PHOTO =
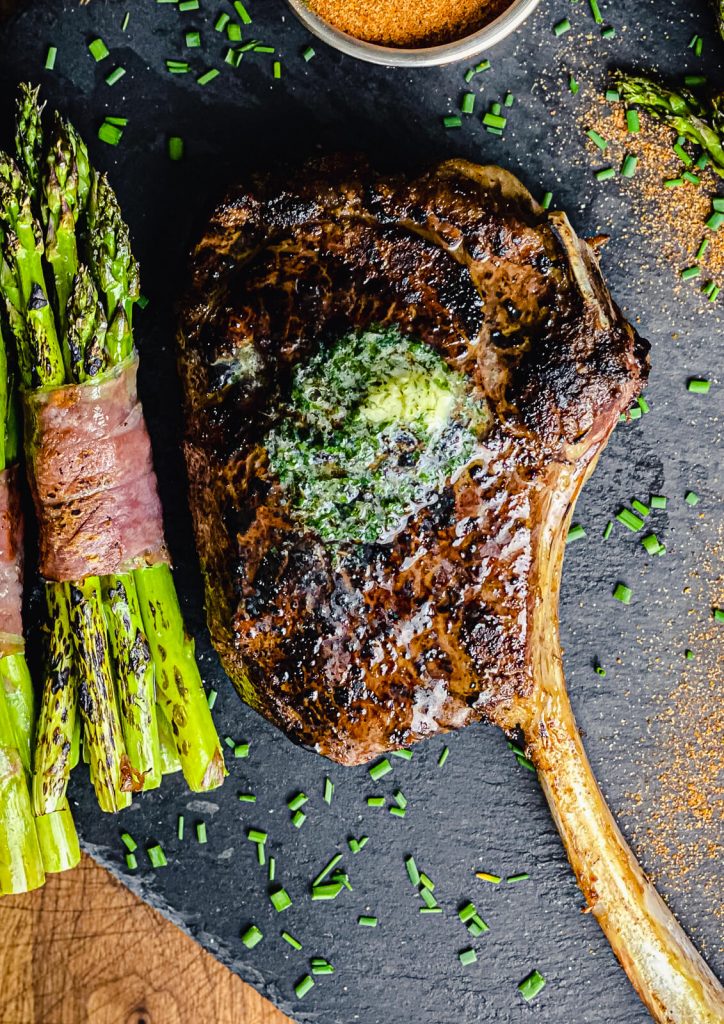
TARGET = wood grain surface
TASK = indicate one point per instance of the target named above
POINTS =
(84, 950)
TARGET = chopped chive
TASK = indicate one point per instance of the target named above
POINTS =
(110, 133)
(694, 80)
(487, 877)
(325, 871)
(643, 404)
(280, 899)
(255, 836)
(469, 75)
(303, 986)
(247, 798)
(477, 926)
(495, 108)
(379, 770)
(467, 912)
(294, 943)
(629, 520)
(188, 5)
(252, 937)
(576, 532)
(682, 154)
(532, 985)
(180, 826)
(272, 868)
(484, 65)
(605, 174)
(525, 763)
(353, 845)
(308, 53)
(522, 877)
(131, 862)
(403, 754)
(691, 498)
(297, 801)
(430, 910)
(277, 69)
(176, 152)
(546, 200)
(688, 654)
(692, 178)
(509, 99)
(698, 386)
(633, 122)
(561, 27)
(328, 791)
(600, 671)
(211, 699)
(229, 742)
(208, 76)
(50, 58)
(692, 41)
(607, 530)
(623, 593)
(412, 873)
(718, 614)
(222, 21)
(673, 182)
(322, 967)
(264, 49)
(260, 854)
(452, 121)
(129, 842)
(126, 19)
(628, 167)
(363, 840)
(98, 50)
(427, 898)
(328, 891)
(201, 832)
(143, 300)
(375, 801)
(468, 956)
(643, 510)
(657, 501)
(698, 46)
(714, 293)
(573, 85)
(400, 799)
(651, 544)
(467, 104)
(298, 819)
(634, 413)
(364, 921)
(715, 221)
(493, 120)
(608, 32)
(242, 12)
(398, 812)
(718, 205)
(595, 11)
(613, 95)
(157, 856)
(230, 57)
(427, 882)
(444, 754)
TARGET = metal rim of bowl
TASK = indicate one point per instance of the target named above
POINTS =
(425, 56)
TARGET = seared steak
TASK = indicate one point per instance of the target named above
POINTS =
(356, 648)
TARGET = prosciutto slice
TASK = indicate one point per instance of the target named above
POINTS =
(11, 564)
(92, 478)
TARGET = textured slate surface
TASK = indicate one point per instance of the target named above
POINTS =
(481, 811)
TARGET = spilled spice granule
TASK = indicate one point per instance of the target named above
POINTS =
(408, 23)
(673, 219)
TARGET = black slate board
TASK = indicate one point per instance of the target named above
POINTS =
(481, 811)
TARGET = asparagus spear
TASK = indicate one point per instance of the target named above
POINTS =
(680, 110)
(21, 862)
(29, 135)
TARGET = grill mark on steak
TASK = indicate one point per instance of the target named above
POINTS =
(431, 631)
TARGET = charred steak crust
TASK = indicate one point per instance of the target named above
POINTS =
(431, 631)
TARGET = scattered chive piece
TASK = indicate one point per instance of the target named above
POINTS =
(633, 122)
(427, 882)
(467, 104)
(689, 655)
(613, 95)
(131, 862)
(50, 58)
(294, 943)
(363, 840)
(495, 108)
(143, 300)
(157, 856)
(532, 985)
(229, 742)
(525, 763)
(573, 85)
(129, 842)
(484, 65)
(176, 152)
(353, 845)
(605, 174)
(493, 120)
(325, 871)
(698, 387)
(561, 27)
(375, 801)
(222, 21)
(469, 956)
(714, 293)
(522, 877)
(691, 498)
(110, 133)
(297, 801)
(694, 80)
(651, 543)
(379, 770)
(98, 50)
(303, 986)
(208, 76)
(403, 754)
(280, 900)
(189, 5)
(643, 510)
(629, 520)
(628, 167)
(477, 927)
(272, 868)
(575, 533)
(298, 819)
(252, 937)
(718, 614)
(427, 898)
(682, 154)
(366, 922)
(201, 832)
(328, 791)
(430, 910)
(247, 798)
(718, 205)
(546, 200)
(469, 75)
(657, 501)
(698, 46)
(692, 178)
(277, 68)
(715, 221)
(126, 19)
(600, 671)
(400, 799)
(180, 826)
(445, 753)
(509, 99)
(487, 877)
(412, 873)
(230, 57)
(329, 891)
(242, 12)
(398, 812)
(673, 182)
(609, 32)
(322, 967)
(634, 413)
(467, 912)
(643, 404)
(452, 121)
(211, 698)
(623, 593)
(308, 53)
(255, 836)
(595, 11)
(607, 530)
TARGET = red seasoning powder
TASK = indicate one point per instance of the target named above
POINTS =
(408, 23)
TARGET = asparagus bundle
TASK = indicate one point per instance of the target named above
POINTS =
(118, 650)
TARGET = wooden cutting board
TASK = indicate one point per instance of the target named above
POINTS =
(84, 950)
